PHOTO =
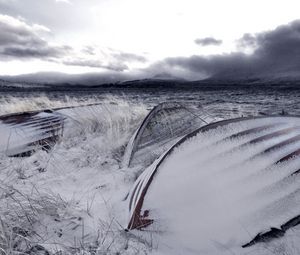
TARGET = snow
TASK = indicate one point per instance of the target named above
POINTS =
(17, 137)
(207, 198)
(73, 198)
(72, 194)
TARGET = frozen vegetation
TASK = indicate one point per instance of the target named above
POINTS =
(72, 200)
(66, 199)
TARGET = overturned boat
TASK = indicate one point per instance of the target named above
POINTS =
(232, 183)
(162, 127)
(26, 132)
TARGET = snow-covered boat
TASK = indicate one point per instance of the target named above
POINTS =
(162, 127)
(229, 183)
(25, 132)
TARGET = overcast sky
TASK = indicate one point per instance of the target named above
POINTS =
(191, 39)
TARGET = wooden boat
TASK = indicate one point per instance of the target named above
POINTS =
(235, 179)
(163, 126)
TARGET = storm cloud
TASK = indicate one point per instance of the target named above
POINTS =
(275, 53)
(22, 41)
(19, 40)
(208, 41)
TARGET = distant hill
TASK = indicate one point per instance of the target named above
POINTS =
(6, 84)
(63, 82)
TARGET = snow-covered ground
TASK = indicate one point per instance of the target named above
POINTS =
(72, 200)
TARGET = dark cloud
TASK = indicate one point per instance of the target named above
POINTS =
(19, 40)
(208, 41)
(248, 40)
(20, 52)
(276, 53)
(15, 32)
(281, 44)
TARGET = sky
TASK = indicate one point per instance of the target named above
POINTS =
(124, 39)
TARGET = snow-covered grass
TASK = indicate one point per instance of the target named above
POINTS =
(31, 102)
(68, 200)
(287, 245)
(12, 104)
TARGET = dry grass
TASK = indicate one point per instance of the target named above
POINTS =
(34, 220)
